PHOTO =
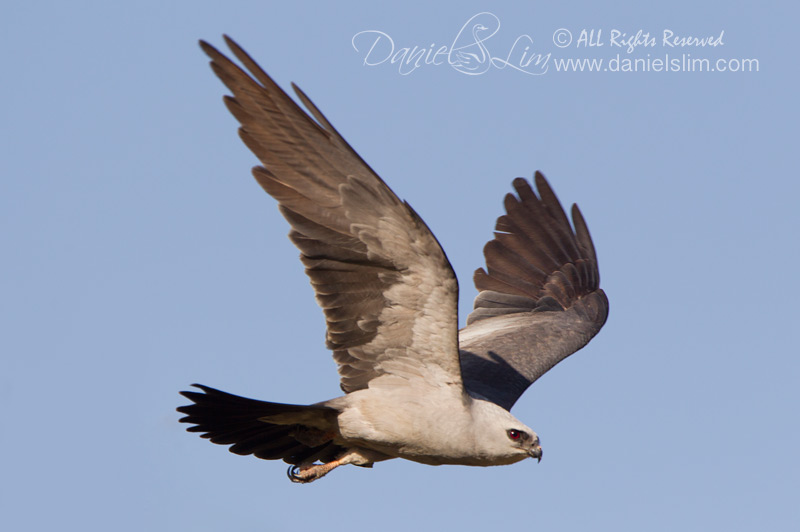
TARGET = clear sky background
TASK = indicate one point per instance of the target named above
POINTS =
(139, 256)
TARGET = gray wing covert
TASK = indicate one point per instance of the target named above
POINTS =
(539, 298)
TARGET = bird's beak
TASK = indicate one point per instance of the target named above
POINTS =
(536, 452)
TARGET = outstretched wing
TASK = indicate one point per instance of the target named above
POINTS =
(385, 285)
(539, 298)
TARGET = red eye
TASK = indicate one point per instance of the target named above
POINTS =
(514, 434)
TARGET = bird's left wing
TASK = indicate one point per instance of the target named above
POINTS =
(386, 287)
(540, 298)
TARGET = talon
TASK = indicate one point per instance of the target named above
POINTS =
(310, 473)
(293, 474)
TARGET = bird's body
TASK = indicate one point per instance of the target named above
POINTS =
(415, 386)
(441, 425)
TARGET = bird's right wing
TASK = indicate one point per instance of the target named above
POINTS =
(385, 285)
(539, 301)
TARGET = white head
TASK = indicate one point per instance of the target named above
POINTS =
(501, 438)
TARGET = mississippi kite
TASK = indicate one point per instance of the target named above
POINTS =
(415, 386)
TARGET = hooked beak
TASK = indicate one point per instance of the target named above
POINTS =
(536, 452)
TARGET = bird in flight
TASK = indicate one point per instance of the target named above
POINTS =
(415, 386)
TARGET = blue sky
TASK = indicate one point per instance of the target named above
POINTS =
(140, 256)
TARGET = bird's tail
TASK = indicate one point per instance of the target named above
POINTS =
(295, 433)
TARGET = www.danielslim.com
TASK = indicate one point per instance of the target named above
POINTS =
(655, 63)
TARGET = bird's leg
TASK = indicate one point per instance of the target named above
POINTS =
(305, 473)
(309, 473)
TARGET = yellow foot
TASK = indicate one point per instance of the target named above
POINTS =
(310, 473)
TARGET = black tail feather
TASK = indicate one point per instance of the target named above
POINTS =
(228, 419)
